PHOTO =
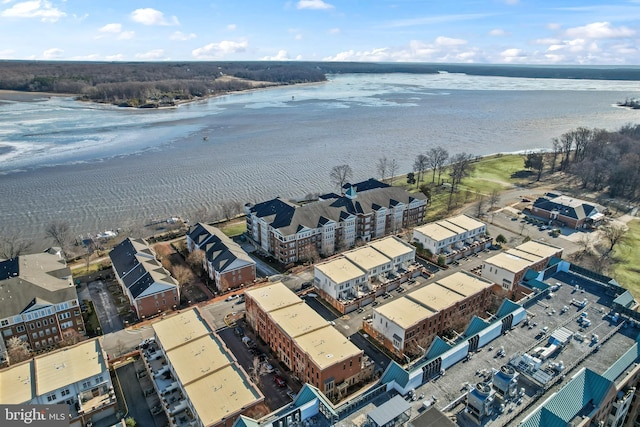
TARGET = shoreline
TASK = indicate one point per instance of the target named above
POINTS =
(7, 96)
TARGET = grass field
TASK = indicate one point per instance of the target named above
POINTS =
(234, 228)
(627, 268)
(497, 172)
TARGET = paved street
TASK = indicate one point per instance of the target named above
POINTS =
(124, 341)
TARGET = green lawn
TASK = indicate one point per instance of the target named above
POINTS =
(627, 267)
(233, 229)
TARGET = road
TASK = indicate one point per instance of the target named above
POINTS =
(133, 395)
(105, 307)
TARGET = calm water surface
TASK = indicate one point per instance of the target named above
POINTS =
(101, 167)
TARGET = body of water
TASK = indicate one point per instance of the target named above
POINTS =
(101, 167)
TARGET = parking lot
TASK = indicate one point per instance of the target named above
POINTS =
(136, 401)
(275, 396)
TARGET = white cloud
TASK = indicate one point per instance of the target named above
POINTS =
(126, 35)
(111, 28)
(89, 57)
(447, 41)
(231, 27)
(149, 16)
(513, 55)
(314, 4)
(334, 31)
(7, 53)
(42, 9)
(599, 30)
(150, 55)
(116, 57)
(546, 41)
(180, 36)
(498, 32)
(282, 55)
(219, 50)
(554, 26)
(53, 53)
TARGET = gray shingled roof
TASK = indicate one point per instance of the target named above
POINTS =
(220, 250)
(290, 219)
(42, 279)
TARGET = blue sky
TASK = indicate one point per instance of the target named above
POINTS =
(461, 31)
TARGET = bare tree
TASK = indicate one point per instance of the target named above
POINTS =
(195, 259)
(555, 151)
(420, 165)
(535, 161)
(614, 233)
(382, 166)
(393, 169)
(566, 143)
(199, 215)
(230, 208)
(60, 233)
(11, 246)
(17, 350)
(340, 175)
(437, 160)
(461, 167)
(494, 198)
(70, 337)
(257, 369)
(182, 274)
(480, 206)
(585, 247)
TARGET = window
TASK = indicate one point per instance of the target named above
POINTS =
(86, 384)
(4, 322)
(39, 324)
(7, 332)
(65, 392)
(52, 397)
(32, 326)
(63, 316)
(20, 328)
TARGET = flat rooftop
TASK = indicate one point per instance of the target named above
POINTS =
(327, 346)
(435, 297)
(509, 262)
(68, 365)
(179, 329)
(340, 270)
(221, 394)
(298, 319)
(392, 247)
(539, 248)
(544, 312)
(437, 232)
(465, 283)
(367, 258)
(197, 358)
(465, 222)
(272, 297)
(214, 383)
(16, 384)
(404, 312)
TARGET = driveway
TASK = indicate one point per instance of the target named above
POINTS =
(106, 308)
(123, 341)
(133, 395)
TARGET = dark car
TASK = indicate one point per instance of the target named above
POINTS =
(238, 331)
(279, 381)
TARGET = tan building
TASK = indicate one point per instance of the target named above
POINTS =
(311, 348)
(508, 268)
(38, 301)
(148, 285)
(454, 237)
(355, 278)
(77, 376)
(409, 324)
(224, 260)
(197, 378)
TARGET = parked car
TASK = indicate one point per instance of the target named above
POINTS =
(279, 381)
(268, 368)
(231, 297)
(238, 331)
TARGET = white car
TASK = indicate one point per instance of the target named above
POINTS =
(268, 368)
(231, 297)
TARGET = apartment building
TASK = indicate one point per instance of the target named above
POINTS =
(409, 324)
(198, 380)
(224, 260)
(362, 272)
(367, 210)
(453, 237)
(38, 301)
(148, 285)
(508, 268)
(306, 343)
(77, 376)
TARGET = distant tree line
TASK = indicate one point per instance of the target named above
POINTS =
(136, 84)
